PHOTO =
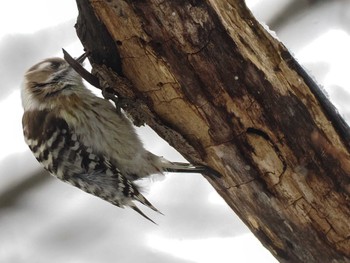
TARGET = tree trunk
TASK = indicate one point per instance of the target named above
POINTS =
(211, 81)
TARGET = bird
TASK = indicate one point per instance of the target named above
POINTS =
(83, 140)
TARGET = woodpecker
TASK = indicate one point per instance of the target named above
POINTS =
(81, 139)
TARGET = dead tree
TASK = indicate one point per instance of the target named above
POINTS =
(209, 79)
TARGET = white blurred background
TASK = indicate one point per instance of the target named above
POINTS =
(45, 220)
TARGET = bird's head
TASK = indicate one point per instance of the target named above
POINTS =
(48, 80)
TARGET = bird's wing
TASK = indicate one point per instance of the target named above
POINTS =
(67, 157)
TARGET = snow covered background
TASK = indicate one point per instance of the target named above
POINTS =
(44, 220)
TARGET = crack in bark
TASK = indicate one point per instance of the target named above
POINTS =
(239, 184)
(278, 152)
(244, 183)
(293, 203)
(203, 47)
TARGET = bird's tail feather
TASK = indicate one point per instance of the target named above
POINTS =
(138, 210)
(145, 202)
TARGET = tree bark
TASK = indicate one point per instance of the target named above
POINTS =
(209, 79)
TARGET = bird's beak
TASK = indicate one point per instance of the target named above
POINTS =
(81, 58)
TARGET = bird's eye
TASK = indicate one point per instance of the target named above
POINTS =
(55, 64)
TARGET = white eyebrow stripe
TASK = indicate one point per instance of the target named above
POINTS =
(43, 65)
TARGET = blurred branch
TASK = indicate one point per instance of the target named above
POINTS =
(290, 11)
(10, 196)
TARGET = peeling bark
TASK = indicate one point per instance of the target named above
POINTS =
(213, 83)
